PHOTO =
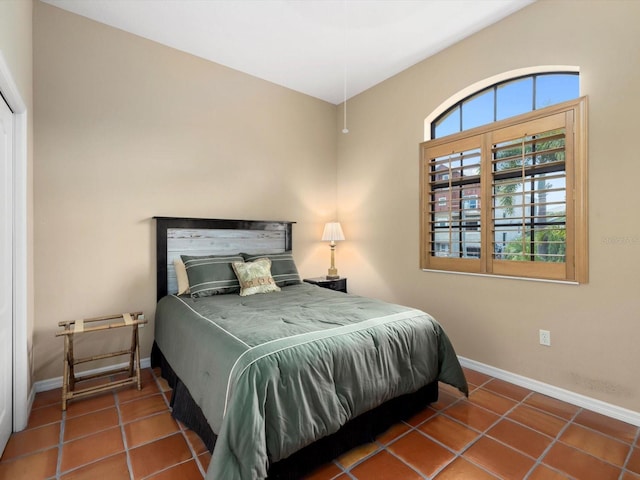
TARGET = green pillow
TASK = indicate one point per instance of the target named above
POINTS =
(211, 274)
(283, 267)
(255, 277)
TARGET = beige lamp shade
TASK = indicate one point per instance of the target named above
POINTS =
(332, 232)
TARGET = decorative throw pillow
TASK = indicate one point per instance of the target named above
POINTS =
(255, 277)
(211, 274)
(181, 276)
(283, 267)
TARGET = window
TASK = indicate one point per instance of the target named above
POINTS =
(514, 190)
(470, 203)
(507, 99)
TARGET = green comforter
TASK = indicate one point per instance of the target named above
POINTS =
(274, 372)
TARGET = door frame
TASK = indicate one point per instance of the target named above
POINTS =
(21, 372)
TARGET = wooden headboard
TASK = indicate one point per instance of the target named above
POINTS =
(206, 236)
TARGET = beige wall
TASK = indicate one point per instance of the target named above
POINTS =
(128, 129)
(16, 48)
(16, 44)
(595, 328)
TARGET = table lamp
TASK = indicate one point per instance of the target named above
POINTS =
(332, 233)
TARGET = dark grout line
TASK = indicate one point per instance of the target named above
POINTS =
(630, 454)
(554, 440)
(60, 444)
(194, 454)
(449, 403)
(124, 437)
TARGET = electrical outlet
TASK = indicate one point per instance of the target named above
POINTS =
(545, 338)
(141, 317)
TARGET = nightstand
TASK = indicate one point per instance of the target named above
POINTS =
(339, 284)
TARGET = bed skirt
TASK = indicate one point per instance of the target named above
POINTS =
(357, 431)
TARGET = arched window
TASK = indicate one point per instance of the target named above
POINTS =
(503, 181)
(507, 99)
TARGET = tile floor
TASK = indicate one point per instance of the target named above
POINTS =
(501, 432)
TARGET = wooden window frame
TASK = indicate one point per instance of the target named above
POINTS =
(575, 267)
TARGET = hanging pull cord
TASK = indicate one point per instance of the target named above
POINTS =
(345, 130)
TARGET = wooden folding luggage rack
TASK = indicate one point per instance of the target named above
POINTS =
(74, 327)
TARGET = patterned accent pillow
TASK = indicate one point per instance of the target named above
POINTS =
(211, 274)
(283, 267)
(255, 277)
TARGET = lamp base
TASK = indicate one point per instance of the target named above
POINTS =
(333, 277)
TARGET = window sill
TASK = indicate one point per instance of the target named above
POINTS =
(488, 275)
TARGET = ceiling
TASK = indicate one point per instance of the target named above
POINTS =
(317, 47)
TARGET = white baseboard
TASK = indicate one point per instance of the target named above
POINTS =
(598, 406)
(51, 383)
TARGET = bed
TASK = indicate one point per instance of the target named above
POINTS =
(277, 383)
